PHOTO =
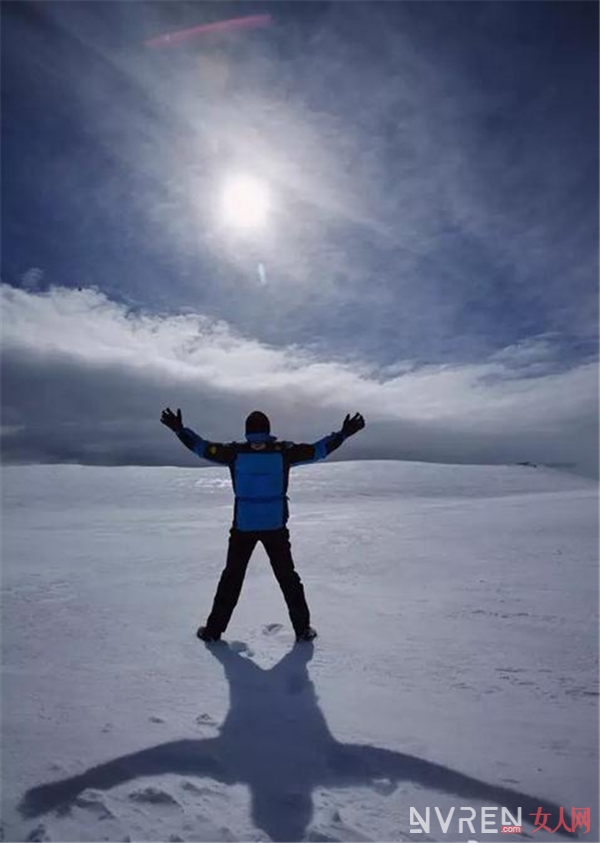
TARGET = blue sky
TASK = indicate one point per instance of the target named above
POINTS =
(434, 172)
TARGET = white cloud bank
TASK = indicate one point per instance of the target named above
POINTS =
(85, 380)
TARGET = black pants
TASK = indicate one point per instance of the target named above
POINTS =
(241, 545)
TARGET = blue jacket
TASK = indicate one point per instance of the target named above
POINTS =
(260, 472)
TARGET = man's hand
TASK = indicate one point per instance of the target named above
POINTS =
(352, 425)
(171, 420)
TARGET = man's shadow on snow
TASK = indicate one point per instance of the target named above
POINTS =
(276, 741)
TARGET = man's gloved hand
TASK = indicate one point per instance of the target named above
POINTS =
(352, 425)
(171, 420)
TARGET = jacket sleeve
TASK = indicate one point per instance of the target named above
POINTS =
(299, 454)
(213, 451)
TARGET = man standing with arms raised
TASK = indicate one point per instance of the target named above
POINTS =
(259, 472)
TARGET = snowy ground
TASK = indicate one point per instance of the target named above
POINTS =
(456, 663)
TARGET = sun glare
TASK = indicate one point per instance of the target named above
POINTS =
(245, 202)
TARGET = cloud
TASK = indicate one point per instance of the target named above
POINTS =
(32, 278)
(434, 184)
(84, 379)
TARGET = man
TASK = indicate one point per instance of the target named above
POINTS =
(259, 471)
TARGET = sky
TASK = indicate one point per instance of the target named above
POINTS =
(430, 259)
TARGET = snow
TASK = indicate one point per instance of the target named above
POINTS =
(456, 663)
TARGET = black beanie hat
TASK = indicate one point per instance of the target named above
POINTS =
(257, 422)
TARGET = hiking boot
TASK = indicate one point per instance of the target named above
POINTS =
(204, 634)
(307, 634)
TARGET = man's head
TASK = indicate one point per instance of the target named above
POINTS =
(257, 422)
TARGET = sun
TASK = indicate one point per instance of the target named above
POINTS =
(245, 202)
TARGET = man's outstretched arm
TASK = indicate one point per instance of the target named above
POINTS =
(213, 451)
(320, 450)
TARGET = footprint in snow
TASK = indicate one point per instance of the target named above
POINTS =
(202, 790)
(205, 719)
(190, 787)
(384, 786)
(153, 796)
(272, 628)
(93, 802)
(155, 719)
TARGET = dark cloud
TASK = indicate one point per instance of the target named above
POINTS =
(84, 380)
